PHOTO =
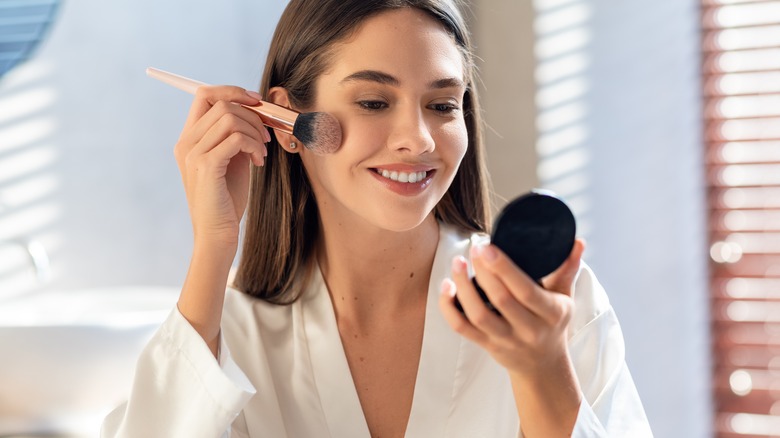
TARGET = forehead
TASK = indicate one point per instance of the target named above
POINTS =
(406, 43)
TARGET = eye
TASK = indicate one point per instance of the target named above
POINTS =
(444, 108)
(372, 105)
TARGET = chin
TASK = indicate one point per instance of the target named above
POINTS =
(401, 222)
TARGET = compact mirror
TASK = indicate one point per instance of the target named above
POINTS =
(537, 231)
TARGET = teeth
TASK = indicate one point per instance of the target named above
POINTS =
(405, 177)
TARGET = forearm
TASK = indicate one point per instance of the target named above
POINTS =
(203, 293)
(548, 401)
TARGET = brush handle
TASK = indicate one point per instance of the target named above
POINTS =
(180, 82)
(272, 115)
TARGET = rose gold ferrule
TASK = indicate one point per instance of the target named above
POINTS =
(275, 116)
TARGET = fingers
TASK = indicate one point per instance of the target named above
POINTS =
(491, 264)
(478, 323)
(211, 102)
(479, 315)
(217, 113)
(562, 280)
(502, 278)
(232, 127)
(497, 292)
(533, 323)
(216, 118)
(454, 318)
(207, 96)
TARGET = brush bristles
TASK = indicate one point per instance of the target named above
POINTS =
(320, 132)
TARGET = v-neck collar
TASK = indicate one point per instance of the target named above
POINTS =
(433, 391)
(336, 389)
(435, 386)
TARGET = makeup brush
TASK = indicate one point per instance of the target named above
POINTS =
(319, 132)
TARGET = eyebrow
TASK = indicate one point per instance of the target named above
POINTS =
(387, 79)
(447, 83)
(372, 76)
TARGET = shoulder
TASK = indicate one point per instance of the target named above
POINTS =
(590, 299)
(236, 299)
(244, 316)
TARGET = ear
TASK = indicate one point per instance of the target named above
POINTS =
(279, 96)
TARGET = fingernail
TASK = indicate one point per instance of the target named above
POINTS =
(447, 287)
(475, 251)
(488, 252)
(459, 265)
(265, 151)
(254, 95)
(267, 135)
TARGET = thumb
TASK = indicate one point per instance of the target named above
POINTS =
(562, 280)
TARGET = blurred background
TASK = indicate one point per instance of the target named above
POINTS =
(658, 122)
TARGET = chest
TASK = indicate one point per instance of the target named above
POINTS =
(384, 365)
(306, 386)
(310, 382)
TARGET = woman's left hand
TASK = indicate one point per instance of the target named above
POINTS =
(529, 338)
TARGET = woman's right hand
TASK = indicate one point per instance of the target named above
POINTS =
(216, 145)
(219, 139)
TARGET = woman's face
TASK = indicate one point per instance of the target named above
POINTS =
(397, 88)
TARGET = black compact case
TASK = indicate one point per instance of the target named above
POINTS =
(537, 231)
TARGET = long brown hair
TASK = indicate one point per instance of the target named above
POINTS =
(282, 221)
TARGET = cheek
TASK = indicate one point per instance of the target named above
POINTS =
(361, 132)
(456, 138)
(360, 135)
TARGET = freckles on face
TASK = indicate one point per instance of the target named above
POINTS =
(397, 88)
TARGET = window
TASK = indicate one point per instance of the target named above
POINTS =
(741, 71)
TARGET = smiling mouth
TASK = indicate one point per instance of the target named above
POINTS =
(403, 177)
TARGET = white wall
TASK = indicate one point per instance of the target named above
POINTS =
(647, 126)
(86, 139)
(617, 133)
(504, 36)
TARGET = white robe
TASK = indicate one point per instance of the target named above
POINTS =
(282, 373)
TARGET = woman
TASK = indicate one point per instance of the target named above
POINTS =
(336, 326)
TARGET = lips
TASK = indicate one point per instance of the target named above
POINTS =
(404, 177)
(407, 181)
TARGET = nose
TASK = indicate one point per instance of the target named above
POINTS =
(411, 133)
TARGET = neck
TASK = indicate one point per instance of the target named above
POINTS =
(373, 274)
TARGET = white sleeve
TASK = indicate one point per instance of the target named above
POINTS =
(180, 389)
(610, 403)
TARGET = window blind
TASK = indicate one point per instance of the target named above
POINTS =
(741, 78)
(23, 24)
